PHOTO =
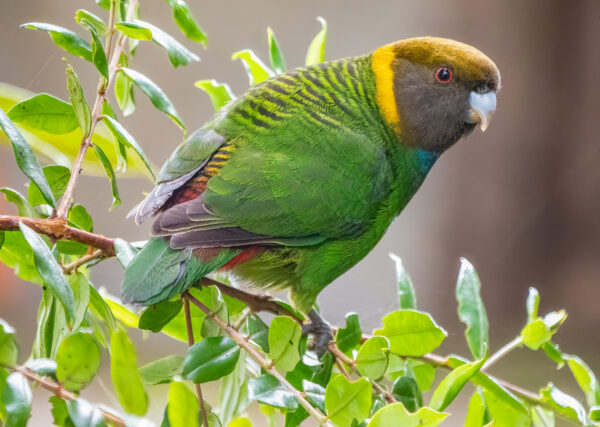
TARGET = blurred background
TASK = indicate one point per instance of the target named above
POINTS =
(521, 202)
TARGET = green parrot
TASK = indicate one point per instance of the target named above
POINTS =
(294, 182)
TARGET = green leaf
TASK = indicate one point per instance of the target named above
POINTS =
(120, 133)
(183, 406)
(349, 337)
(316, 50)
(120, 312)
(345, 400)
(563, 403)
(17, 254)
(80, 218)
(98, 54)
(423, 372)
(212, 298)
(267, 390)
(52, 326)
(406, 290)
(372, 358)
(184, 19)
(26, 160)
(553, 352)
(315, 394)
(24, 208)
(476, 411)
(155, 317)
(84, 414)
(594, 413)
(65, 39)
(93, 20)
(16, 397)
(542, 417)
(125, 252)
(124, 89)
(275, 54)
(111, 175)
(100, 309)
(258, 331)
(77, 98)
(256, 70)
(220, 93)
(60, 415)
(80, 286)
(532, 304)
(502, 413)
(8, 345)
(44, 112)
(471, 310)
(450, 386)
(411, 333)
(284, 338)
(78, 360)
(540, 331)
(233, 389)
(125, 376)
(585, 378)
(43, 367)
(134, 31)
(210, 359)
(156, 95)
(162, 371)
(50, 271)
(57, 178)
(406, 391)
(397, 415)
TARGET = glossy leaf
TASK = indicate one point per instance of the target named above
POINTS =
(125, 376)
(406, 391)
(96, 22)
(17, 254)
(423, 372)
(259, 332)
(211, 296)
(80, 218)
(411, 333)
(471, 310)
(256, 70)
(284, 337)
(553, 352)
(8, 345)
(502, 413)
(77, 98)
(542, 417)
(211, 359)
(111, 176)
(233, 389)
(585, 378)
(125, 252)
(563, 403)
(124, 89)
(43, 367)
(178, 54)
(220, 93)
(156, 316)
(315, 394)
(98, 54)
(450, 386)
(84, 414)
(57, 178)
(345, 400)
(372, 358)
(26, 160)
(78, 360)
(100, 309)
(540, 331)
(316, 50)
(267, 390)
(156, 95)
(349, 337)
(532, 304)
(65, 39)
(397, 415)
(182, 15)
(406, 290)
(44, 112)
(183, 406)
(128, 140)
(475, 411)
(50, 271)
(275, 54)
(24, 208)
(80, 286)
(16, 399)
(162, 371)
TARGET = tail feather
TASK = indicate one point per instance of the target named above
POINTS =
(158, 273)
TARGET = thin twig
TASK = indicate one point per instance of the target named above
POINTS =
(239, 339)
(190, 337)
(67, 269)
(103, 87)
(59, 390)
(502, 352)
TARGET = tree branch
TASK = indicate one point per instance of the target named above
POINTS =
(58, 390)
(67, 269)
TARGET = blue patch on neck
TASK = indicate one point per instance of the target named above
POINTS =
(426, 160)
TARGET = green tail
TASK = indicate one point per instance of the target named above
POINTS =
(158, 273)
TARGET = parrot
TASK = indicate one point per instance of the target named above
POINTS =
(294, 182)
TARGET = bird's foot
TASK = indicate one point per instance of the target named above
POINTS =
(320, 330)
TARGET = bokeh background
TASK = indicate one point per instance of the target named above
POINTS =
(521, 202)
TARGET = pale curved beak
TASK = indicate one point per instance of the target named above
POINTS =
(483, 106)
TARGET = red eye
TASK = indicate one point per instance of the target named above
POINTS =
(443, 75)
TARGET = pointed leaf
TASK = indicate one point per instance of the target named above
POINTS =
(155, 317)
(256, 70)
(80, 106)
(8, 345)
(476, 411)
(125, 376)
(315, 394)
(44, 112)
(93, 20)
(349, 337)
(26, 160)
(125, 252)
(50, 271)
(267, 390)
(397, 415)
(406, 290)
(126, 139)
(316, 50)
(16, 399)
(84, 414)
(98, 54)
(156, 95)
(563, 403)
(162, 371)
(284, 337)
(406, 391)
(532, 304)
(111, 176)
(471, 310)
(124, 89)
(65, 39)
(450, 386)
(134, 31)
(411, 333)
(24, 208)
(78, 360)
(220, 93)
(211, 359)
(183, 406)
(345, 400)
(585, 378)
(184, 19)
(275, 55)
(57, 178)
